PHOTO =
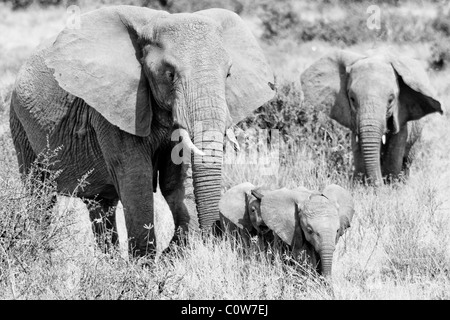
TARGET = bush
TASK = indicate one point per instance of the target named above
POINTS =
(25, 215)
(442, 23)
(22, 4)
(176, 6)
(278, 18)
(440, 55)
(281, 20)
(302, 127)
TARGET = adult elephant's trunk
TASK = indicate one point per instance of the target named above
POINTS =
(208, 134)
(207, 158)
(370, 133)
(207, 180)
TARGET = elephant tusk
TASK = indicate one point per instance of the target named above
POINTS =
(357, 138)
(189, 144)
(383, 139)
(230, 135)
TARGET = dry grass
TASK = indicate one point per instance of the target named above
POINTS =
(397, 248)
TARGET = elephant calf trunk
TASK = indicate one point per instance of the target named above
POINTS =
(326, 259)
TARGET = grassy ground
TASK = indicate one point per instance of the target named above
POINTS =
(397, 248)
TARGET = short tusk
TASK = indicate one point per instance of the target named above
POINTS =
(230, 135)
(357, 139)
(188, 143)
(383, 139)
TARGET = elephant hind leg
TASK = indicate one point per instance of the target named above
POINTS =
(26, 157)
(102, 213)
(25, 153)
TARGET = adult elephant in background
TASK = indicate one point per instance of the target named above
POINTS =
(113, 91)
(377, 97)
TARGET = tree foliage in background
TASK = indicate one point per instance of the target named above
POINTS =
(301, 126)
(281, 20)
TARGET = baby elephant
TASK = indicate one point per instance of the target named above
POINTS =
(240, 211)
(303, 219)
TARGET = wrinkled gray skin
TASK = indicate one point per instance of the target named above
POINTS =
(374, 96)
(240, 211)
(305, 220)
(112, 92)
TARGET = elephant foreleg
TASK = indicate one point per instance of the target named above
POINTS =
(129, 162)
(358, 160)
(414, 134)
(394, 154)
(134, 183)
(174, 182)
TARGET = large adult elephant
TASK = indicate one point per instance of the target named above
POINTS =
(374, 96)
(112, 92)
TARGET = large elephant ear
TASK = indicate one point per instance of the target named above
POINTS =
(279, 211)
(233, 205)
(344, 202)
(99, 62)
(251, 78)
(324, 85)
(417, 95)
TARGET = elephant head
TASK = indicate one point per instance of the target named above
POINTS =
(143, 69)
(373, 96)
(240, 208)
(310, 221)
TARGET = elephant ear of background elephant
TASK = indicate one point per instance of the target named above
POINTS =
(248, 84)
(324, 83)
(416, 92)
(344, 202)
(279, 212)
(233, 205)
(99, 63)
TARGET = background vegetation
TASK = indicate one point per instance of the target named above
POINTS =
(397, 248)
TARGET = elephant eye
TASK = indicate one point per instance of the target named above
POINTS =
(309, 230)
(169, 75)
(391, 98)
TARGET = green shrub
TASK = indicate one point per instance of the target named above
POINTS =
(22, 4)
(176, 6)
(300, 126)
(440, 55)
(278, 18)
(281, 20)
(442, 23)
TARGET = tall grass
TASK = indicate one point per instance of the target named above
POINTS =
(398, 246)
